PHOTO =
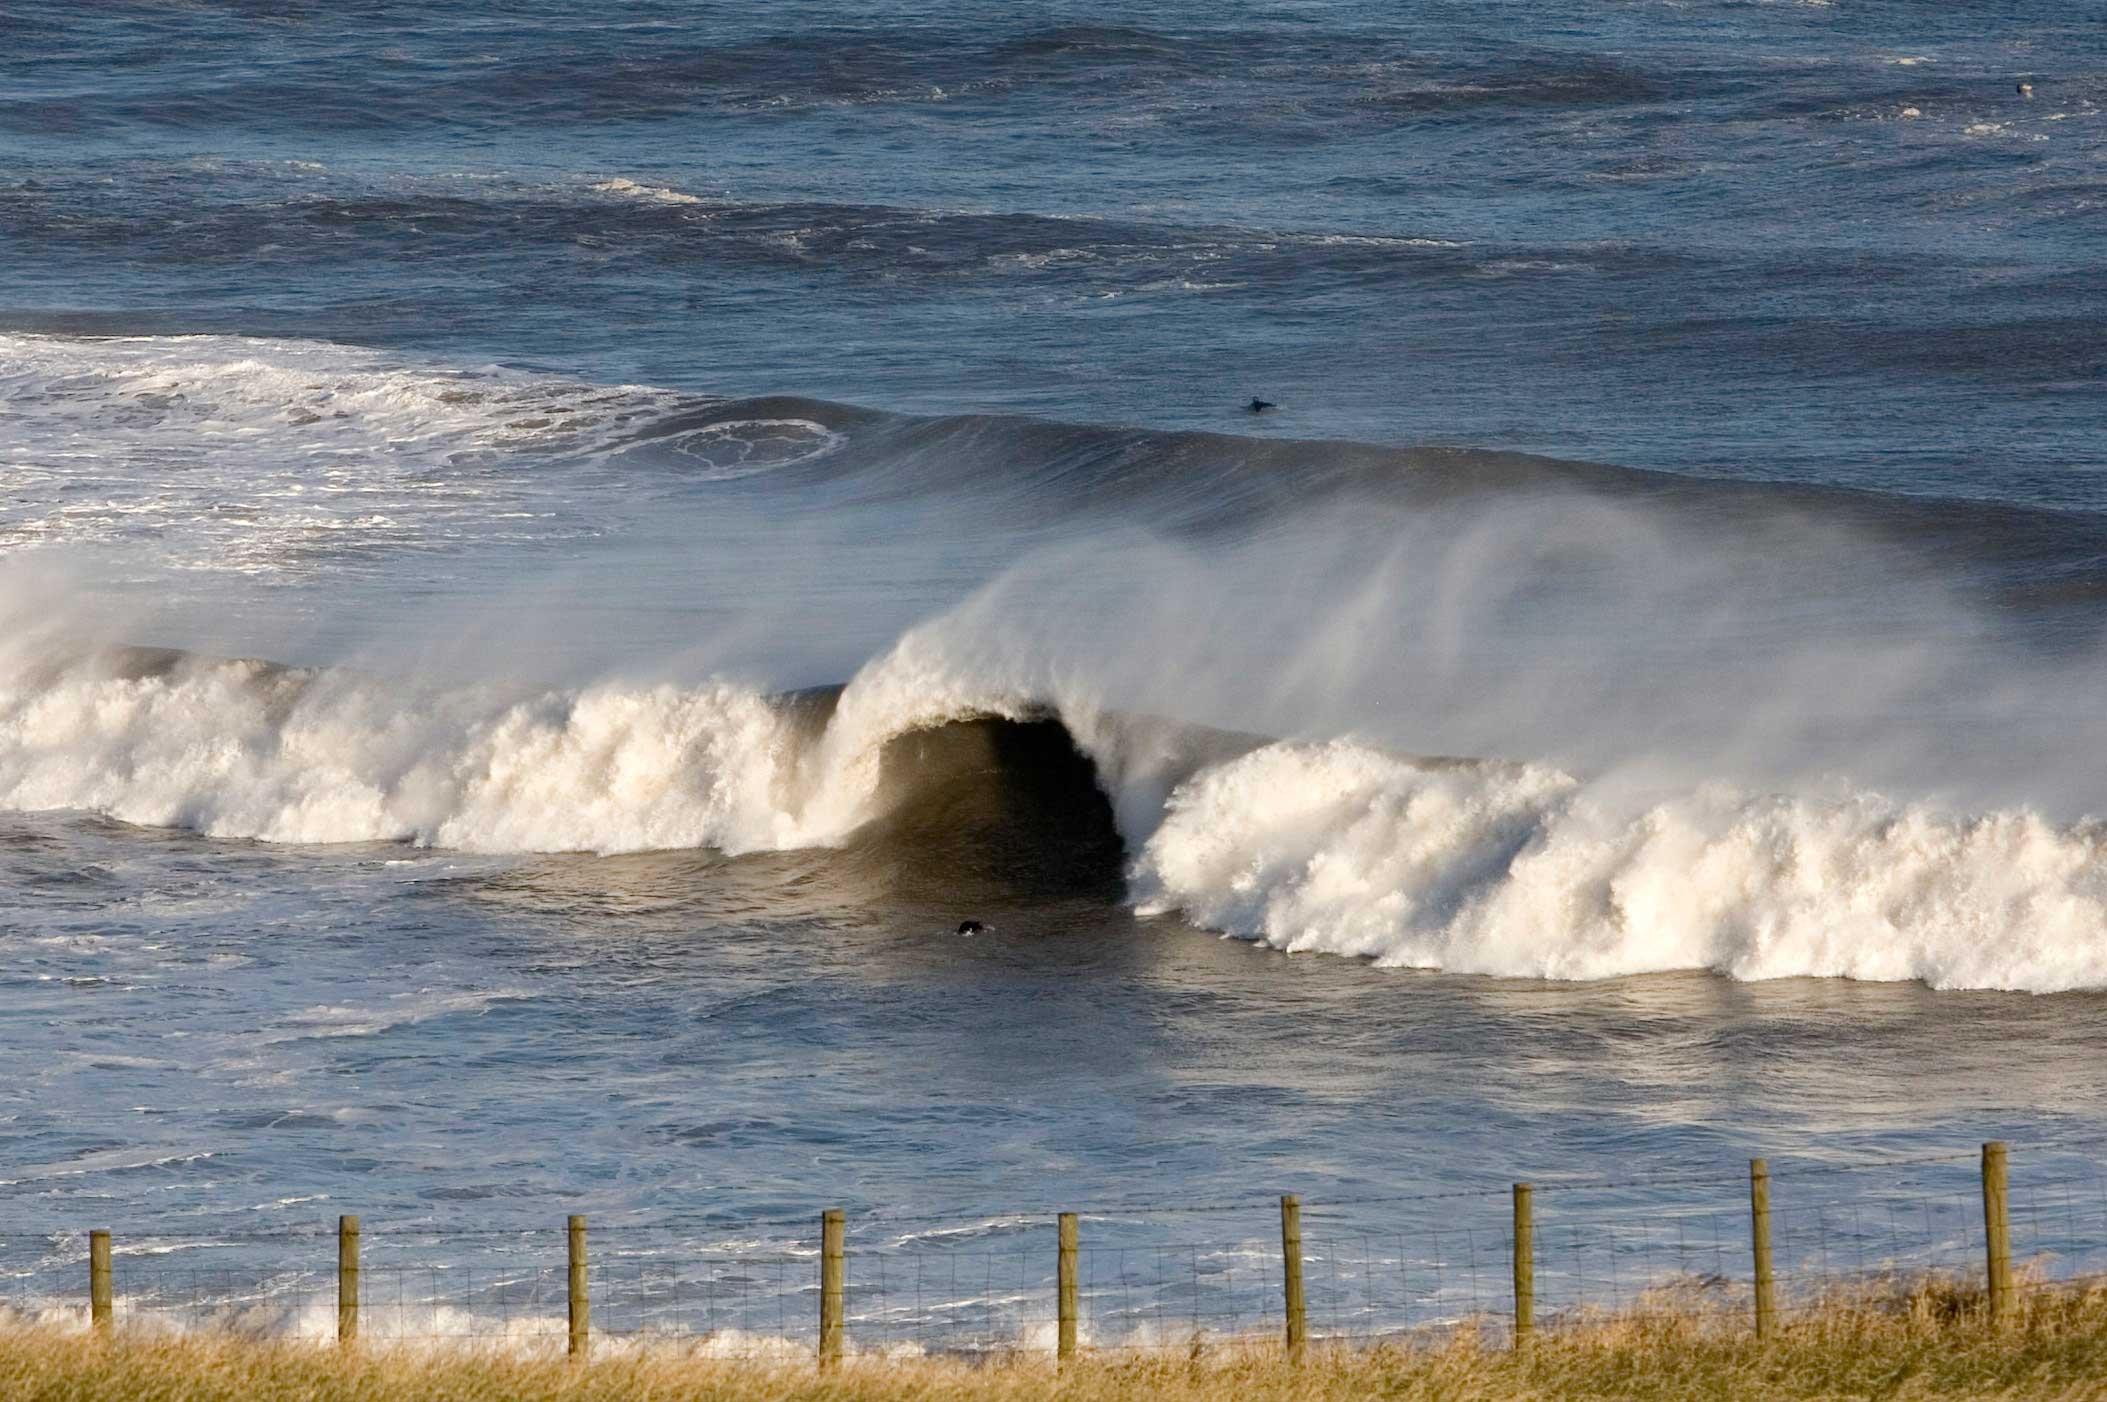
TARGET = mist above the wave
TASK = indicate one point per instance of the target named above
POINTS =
(1630, 640)
(1631, 644)
(507, 528)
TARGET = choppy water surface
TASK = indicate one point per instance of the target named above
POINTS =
(547, 562)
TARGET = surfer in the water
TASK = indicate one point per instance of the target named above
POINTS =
(971, 927)
(1259, 406)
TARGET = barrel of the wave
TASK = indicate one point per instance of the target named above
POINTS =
(347, 1281)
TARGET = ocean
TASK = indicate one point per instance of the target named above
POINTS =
(551, 556)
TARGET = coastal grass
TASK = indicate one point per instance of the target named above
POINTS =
(1926, 1339)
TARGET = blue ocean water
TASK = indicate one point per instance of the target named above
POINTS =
(552, 554)
(1812, 242)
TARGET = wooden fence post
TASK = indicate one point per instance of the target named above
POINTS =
(1291, 1273)
(1759, 1244)
(347, 1280)
(1997, 1231)
(1524, 1263)
(833, 1283)
(1065, 1346)
(99, 1308)
(581, 1293)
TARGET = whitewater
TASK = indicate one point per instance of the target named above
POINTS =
(1502, 863)
(1333, 847)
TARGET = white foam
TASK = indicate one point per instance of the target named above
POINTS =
(1527, 872)
(404, 1010)
(733, 448)
(237, 749)
(1381, 241)
(254, 456)
(227, 750)
(650, 194)
(102, 1161)
(1341, 847)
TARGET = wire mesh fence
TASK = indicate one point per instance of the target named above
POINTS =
(1177, 1276)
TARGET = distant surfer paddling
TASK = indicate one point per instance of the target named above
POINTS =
(1259, 406)
(971, 927)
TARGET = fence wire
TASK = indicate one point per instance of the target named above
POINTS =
(1179, 1276)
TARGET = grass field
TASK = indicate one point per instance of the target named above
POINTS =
(1928, 1340)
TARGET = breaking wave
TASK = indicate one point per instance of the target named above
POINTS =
(1042, 598)
(1341, 847)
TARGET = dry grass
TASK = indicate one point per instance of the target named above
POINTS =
(1925, 1339)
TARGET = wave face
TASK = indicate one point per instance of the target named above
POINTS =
(277, 460)
(1520, 870)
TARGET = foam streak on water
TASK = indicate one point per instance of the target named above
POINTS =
(261, 456)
